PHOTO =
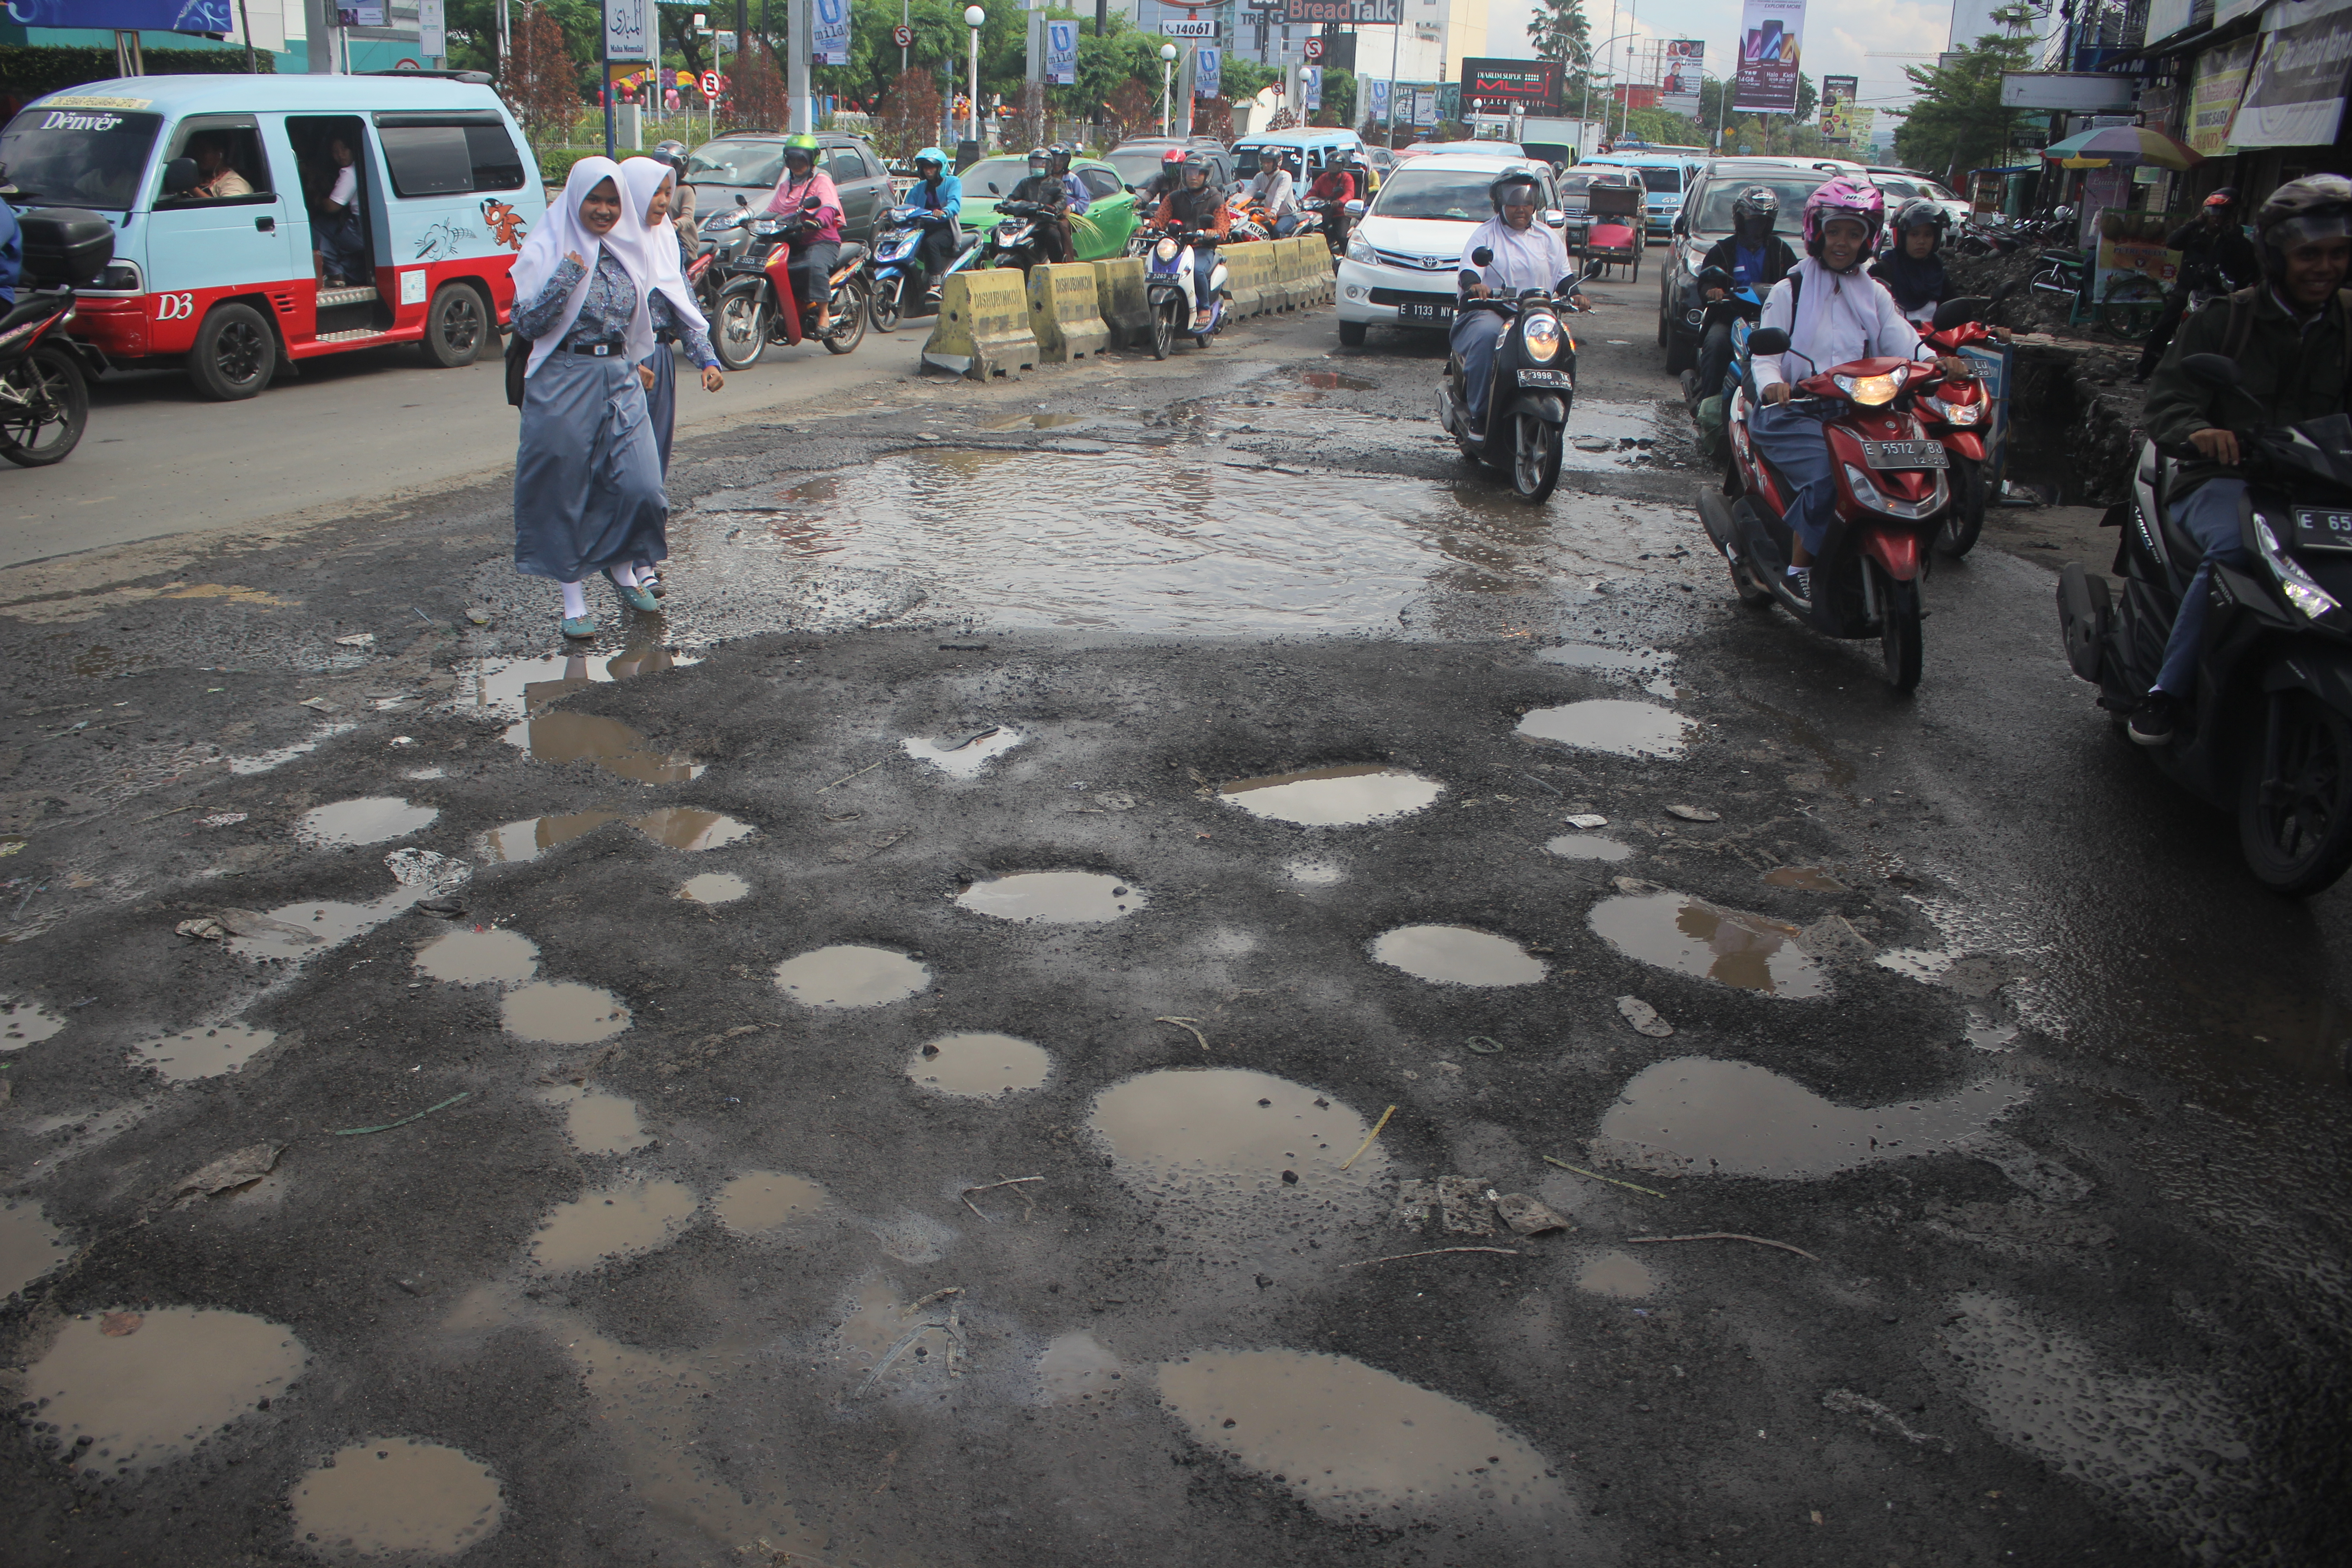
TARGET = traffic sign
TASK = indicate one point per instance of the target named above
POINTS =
(710, 84)
(903, 37)
(1314, 49)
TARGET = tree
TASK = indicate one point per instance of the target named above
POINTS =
(1131, 110)
(1957, 122)
(756, 95)
(1806, 96)
(1559, 32)
(543, 80)
(911, 114)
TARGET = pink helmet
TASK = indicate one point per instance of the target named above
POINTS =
(1845, 195)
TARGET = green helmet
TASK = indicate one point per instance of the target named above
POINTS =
(803, 142)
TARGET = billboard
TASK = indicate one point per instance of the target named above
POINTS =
(1528, 84)
(1771, 44)
(1837, 108)
(2294, 95)
(1061, 52)
(1346, 13)
(2213, 95)
(1679, 70)
(1209, 72)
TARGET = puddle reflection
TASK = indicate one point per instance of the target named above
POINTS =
(1231, 1129)
(850, 975)
(1328, 797)
(714, 888)
(1054, 898)
(611, 1223)
(762, 1200)
(1691, 936)
(964, 756)
(689, 829)
(598, 1123)
(374, 820)
(1646, 665)
(24, 1022)
(981, 1066)
(489, 957)
(386, 1496)
(204, 1053)
(562, 1013)
(1457, 956)
(30, 1246)
(1621, 728)
(147, 1386)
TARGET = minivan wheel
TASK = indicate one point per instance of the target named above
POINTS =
(455, 326)
(235, 356)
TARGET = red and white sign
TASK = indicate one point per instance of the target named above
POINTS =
(1314, 49)
(903, 37)
(710, 84)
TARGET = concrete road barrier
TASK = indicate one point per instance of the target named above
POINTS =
(1120, 299)
(982, 330)
(1277, 278)
(1064, 313)
(1244, 277)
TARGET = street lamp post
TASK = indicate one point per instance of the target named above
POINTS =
(1167, 87)
(973, 18)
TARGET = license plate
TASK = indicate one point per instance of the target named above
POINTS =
(1904, 455)
(1425, 312)
(2322, 529)
(1558, 378)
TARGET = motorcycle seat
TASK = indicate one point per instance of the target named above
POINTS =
(31, 306)
(851, 254)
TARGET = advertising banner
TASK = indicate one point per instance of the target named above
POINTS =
(432, 28)
(1533, 85)
(1771, 44)
(829, 33)
(1679, 73)
(629, 32)
(1424, 106)
(154, 16)
(1209, 73)
(2213, 95)
(2294, 94)
(1062, 53)
(1837, 104)
(1310, 87)
(1376, 98)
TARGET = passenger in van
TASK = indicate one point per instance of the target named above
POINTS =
(220, 180)
(342, 242)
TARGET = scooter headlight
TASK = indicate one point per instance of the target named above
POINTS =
(1959, 413)
(1540, 336)
(1870, 391)
(1166, 249)
(2315, 602)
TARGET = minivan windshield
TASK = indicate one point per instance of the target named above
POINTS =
(1714, 217)
(1440, 195)
(1660, 176)
(732, 163)
(76, 157)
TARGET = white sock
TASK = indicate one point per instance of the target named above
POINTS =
(625, 574)
(575, 601)
(1794, 570)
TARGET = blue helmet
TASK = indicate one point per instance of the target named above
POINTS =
(931, 155)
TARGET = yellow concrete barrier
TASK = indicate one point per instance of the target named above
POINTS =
(1300, 273)
(1064, 313)
(983, 331)
(1315, 268)
(1278, 294)
(1244, 273)
(1121, 298)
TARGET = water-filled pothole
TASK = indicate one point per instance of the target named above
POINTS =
(1615, 725)
(1076, 1366)
(1337, 380)
(982, 1065)
(30, 1246)
(1351, 1440)
(1055, 897)
(1587, 847)
(514, 689)
(613, 1222)
(964, 756)
(1038, 422)
(204, 1053)
(682, 828)
(1329, 797)
(607, 742)
(762, 1200)
(714, 888)
(1699, 1116)
(147, 1386)
(561, 1013)
(1691, 936)
(1617, 1274)
(1218, 1130)
(598, 1123)
(1457, 956)
(1646, 665)
(377, 819)
(690, 829)
(396, 1496)
(24, 1022)
(485, 957)
(850, 975)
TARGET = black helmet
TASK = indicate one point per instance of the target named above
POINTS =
(1196, 158)
(1920, 211)
(1062, 152)
(672, 153)
(2317, 206)
(1756, 207)
(1509, 178)
(1041, 160)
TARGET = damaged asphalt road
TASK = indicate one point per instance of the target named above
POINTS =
(1007, 1029)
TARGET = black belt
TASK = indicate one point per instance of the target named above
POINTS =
(598, 350)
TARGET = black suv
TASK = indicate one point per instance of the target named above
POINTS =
(749, 163)
(1706, 218)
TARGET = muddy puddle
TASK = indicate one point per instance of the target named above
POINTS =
(598, 1123)
(562, 1013)
(204, 1053)
(1609, 437)
(310, 927)
(610, 1223)
(682, 828)
(714, 888)
(850, 975)
(1336, 796)
(1587, 847)
(396, 1496)
(1457, 956)
(610, 744)
(1337, 380)
(690, 829)
(1647, 666)
(1620, 1275)
(759, 1201)
(1691, 936)
(1075, 1367)
(1350, 1439)
(1039, 422)
(1054, 898)
(29, 1245)
(24, 1022)
(1806, 878)
(1217, 1129)
(1621, 728)
(515, 688)
(278, 756)
(146, 1387)
(964, 753)
(980, 1067)
(480, 957)
(1699, 1116)
(375, 820)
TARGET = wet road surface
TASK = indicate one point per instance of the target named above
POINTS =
(1141, 968)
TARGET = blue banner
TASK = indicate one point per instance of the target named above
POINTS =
(1208, 77)
(153, 16)
(831, 33)
(1062, 53)
(1378, 95)
(1310, 87)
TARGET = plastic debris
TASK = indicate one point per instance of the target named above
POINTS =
(205, 930)
(223, 820)
(1462, 1204)
(357, 639)
(1694, 814)
(1586, 820)
(1526, 1217)
(241, 1168)
(1482, 1045)
(1643, 1017)
(426, 869)
(1635, 886)
(477, 615)
(247, 923)
(1846, 1402)
(322, 704)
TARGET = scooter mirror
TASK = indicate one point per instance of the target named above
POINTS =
(1555, 218)
(1768, 341)
(2213, 370)
(1483, 257)
(740, 200)
(1958, 312)
(1355, 209)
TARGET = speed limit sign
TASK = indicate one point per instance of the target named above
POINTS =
(1314, 48)
(710, 84)
(903, 37)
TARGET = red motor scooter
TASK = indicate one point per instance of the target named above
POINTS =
(1959, 414)
(1892, 497)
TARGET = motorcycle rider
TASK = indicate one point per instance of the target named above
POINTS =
(1336, 184)
(2291, 336)
(1752, 255)
(2213, 249)
(1832, 315)
(1046, 188)
(1197, 206)
(1170, 177)
(936, 191)
(818, 244)
(1526, 255)
(1073, 186)
(1275, 188)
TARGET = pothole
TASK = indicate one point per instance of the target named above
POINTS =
(1645, 665)
(689, 829)
(515, 688)
(612, 745)
(1620, 1275)
(964, 756)
(30, 1246)
(1457, 956)
(1617, 726)
(1335, 797)
(1075, 1367)
(561, 1013)
(1336, 380)
(24, 1022)
(981, 1066)
(396, 1496)
(529, 839)
(850, 975)
(486, 957)
(598, 1123)
(146, 1387)
(1587, 847)
(714, 888)
(204, 1053)
(615, 1222)
(1229, 1129)
(759, 1201)
(377, 819)
(1700, 1116)
(1691, 936)
(1055, 897)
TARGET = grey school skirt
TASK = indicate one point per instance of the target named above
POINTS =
(588, 479)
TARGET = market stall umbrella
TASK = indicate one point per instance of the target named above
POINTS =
(2122, 147)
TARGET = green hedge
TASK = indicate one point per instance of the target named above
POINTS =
(29, 70)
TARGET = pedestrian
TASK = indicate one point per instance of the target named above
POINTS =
(588, 487)
(669, 300)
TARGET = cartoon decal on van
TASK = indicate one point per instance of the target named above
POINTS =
(506, 225)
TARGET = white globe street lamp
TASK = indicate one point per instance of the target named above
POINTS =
(1167, 87)
(973, 18)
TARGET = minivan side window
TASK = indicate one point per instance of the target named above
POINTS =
(448, 154)
(230, 165)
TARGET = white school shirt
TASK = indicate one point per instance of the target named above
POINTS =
(347, 187)
(1841, 317)
(1529, 257)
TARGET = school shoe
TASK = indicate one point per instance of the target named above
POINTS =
(1800, 583)
(635, 598)
(2152, 722)
(581, 627)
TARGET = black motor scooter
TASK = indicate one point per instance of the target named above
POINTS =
(2268, 733)
(1533, 385)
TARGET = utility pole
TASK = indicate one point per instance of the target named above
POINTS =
(801, 37)
(605, 54)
